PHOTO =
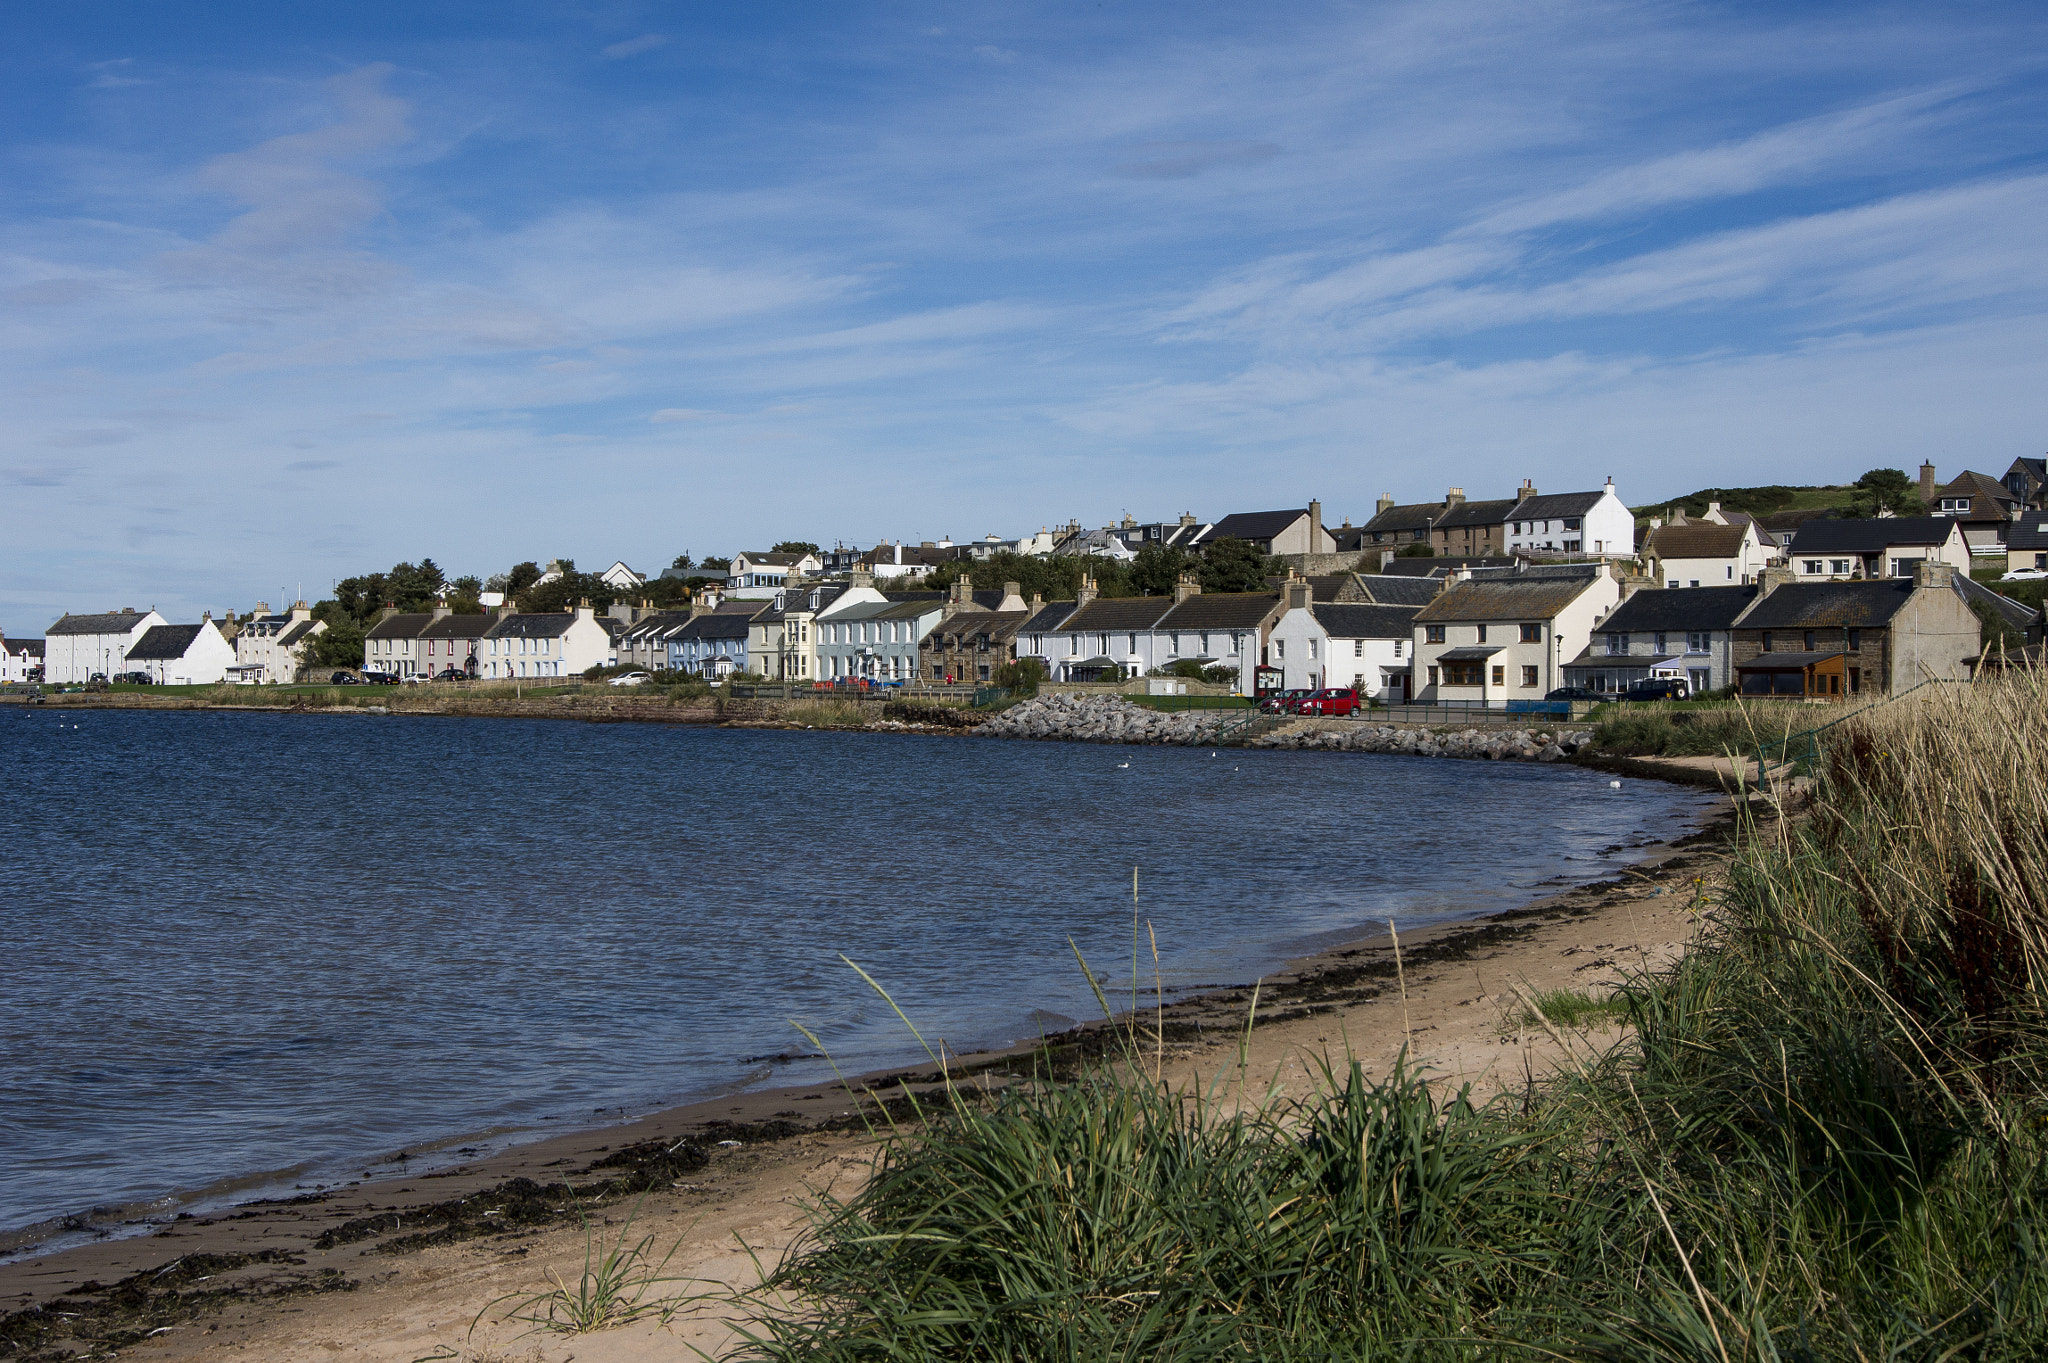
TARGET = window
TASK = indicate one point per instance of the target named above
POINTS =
(1464, 674)
(1173, 641)
(1617, 645)
(1237, 643)
(1764, 645)
(1532, 634)
(1432, 634)
(1698, 640)
(1482, 634)
(1855, 641)
(1529, 676)
(1500, 675)
(1279, 648)
(1662, 643)
(1672, 583)
(1571, 522)
(1205, 641)
(1806, 641)
(1811, 565)
(1432, 676)
(1839, 567)
(1397, 646)
(1311, 648)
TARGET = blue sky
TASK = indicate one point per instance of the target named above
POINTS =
(292, 292)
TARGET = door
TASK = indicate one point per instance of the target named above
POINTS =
(1407, 686)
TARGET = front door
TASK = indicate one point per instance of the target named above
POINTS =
(1407, 685)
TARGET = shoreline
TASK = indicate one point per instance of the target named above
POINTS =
(736, 1132)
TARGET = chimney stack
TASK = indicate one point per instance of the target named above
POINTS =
(1315, 526)
(1525, 491)
(1934, 573)
(1384, 504)
(1086, 591)
(1770, 579)
(1184, 588)
(1455, 497)
(1300, 594)
(1927, 484)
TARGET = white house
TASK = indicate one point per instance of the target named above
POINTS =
(271, 647)
(1097, 639)
(1703, 554)
(181, 655)
(763, 575)
(622, 577)
(392, 643)
(79, 647)
(1342, 643)
(548, 644)
(1889, 546)
(1492, 640)
(875, 640)
(1570, 523)
(713, 644)
(21, 660)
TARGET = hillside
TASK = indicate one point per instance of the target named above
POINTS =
(1757, 501)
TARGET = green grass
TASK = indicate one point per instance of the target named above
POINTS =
(1757, 501)
(1575, 1008)
(1821, 1137)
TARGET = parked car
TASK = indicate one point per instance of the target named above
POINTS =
(2025, 575)
(451, 674)
(379, 678)
(344, 679)
(632, 679)
(1658, 688)
(1282, 702)
(135, 679)
(100, 677)
(1573, 693)
(1331, 700)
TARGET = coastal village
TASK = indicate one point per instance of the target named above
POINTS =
(1481, 604)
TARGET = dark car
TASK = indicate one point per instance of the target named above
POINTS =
(1659, 688)
(451, 674)
(1282, 702)
(1331, 700)
(1573, 693)
(135, 679)
(344, 679)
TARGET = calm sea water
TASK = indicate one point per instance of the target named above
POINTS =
(245, 950)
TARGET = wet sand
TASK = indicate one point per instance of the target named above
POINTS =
(767, 1153)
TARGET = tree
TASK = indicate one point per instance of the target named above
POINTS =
(1234, 565)
(340, 644)
(682, 562)
(1882, 490)
(1416, 550)
(716, 565)
(1020, 677)
(794, 547)
(1158, 568)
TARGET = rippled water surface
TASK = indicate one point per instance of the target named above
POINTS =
(248, 948)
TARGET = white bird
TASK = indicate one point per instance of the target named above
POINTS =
(1615, 785)
(1121, 765)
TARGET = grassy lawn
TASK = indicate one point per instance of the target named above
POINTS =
(1757, 501)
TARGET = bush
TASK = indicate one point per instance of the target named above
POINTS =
(1021, 677)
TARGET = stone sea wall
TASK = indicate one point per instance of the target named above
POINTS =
(1112, 719)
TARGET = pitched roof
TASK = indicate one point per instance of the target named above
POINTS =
(1353, 620)
(2018, 614)
(999, 626)
(406, 626)
(1385, 589)
(164, 642)
(1440, 566)
(113, 622)
(1989, 498)
(456, 627)
(1675, 609)
(2030, 531)
(1557, 504)
(1825, 605)
(1125, 613)
(1051, 616)
(1255, 525)
(772, 560)
(1505, 599)
(1348, 538)
(545, 625)
(740, 605)
(1695, 539)
(1872, 536)
(1219, 610)
(1786, 662)
(1413, 516)
(1337, 587)
(1494, 512)
(296, 633)
(714, 626)
(23, 648)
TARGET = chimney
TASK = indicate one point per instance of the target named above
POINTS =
(1927, 484)
(583, 611)
(441, 609)
(1384, 504)
(1315, 526)
(1930, 572)
(1525, 491)
(1184, 588)
(1455, 497)
(262, 608)
(860, 577)
(1085, 592)
(1299, 594)
(1678, 515)
(1013, 598)
(1770, 579)
(1187, 518)
(1037, 602)
(1714, 514)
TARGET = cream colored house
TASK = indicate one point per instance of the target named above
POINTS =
(1702, 554)
(1492, 639)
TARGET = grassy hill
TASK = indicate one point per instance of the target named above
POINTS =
(1757, 501)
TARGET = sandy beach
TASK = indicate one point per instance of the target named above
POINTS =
(375, 1273)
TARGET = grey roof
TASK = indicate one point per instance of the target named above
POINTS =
(545, 625)
(1120, 613)
(714, 626)
(1219, 610)
(1675, 609)
(1389, 590)
(2030, 531)
(1051, 616)
(1469, 653)
(1255, 525)
(1351, 620)
(1523, 570)
(399, 627)
(24, 648)
(456, 627)
(772, 560)
(1557, 504)
(163, 642)
(1990, 499)
(1786, 662)
(1349, 538)
(1413, 516)
(1439, 566)
(1829, 605)
(1497, 511)
(296, 633)
(1871, 537)
(1505, 599)
(1594, 657)
(2016, 613)
(113, 622)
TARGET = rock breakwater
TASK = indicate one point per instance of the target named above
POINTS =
(1112, 719)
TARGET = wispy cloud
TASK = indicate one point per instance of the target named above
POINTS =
(633, 47)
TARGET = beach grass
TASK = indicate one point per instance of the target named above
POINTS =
(1822, 1135)
(1572, 1008)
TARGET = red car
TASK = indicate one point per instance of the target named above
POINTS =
(1331, 700)
(1281, 702)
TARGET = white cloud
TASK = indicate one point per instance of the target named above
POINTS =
(633, 47)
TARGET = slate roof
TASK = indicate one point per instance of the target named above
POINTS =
(1049, 617)
(1695, 539)
(1254, 525)
(1673, 610)
(1824, 605)
(1872, 536)
(161, 643)
(1349, 620)
(1389, 590)
(456, 627)
(545, 625)
(714, 626)
(405, 626)
(1000, 627)
(749, 607)
(1990, 499)
(1556, 505)
(2017, 613)
(1349, 538)
(296, 633)
(2030, 531)
(1219, 610)
(1504, 599)
(113, 622)
(23, 648)
(1335, 587)
(1495, 512)
(772, 560)
(1413, 516)
(1120, 613)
